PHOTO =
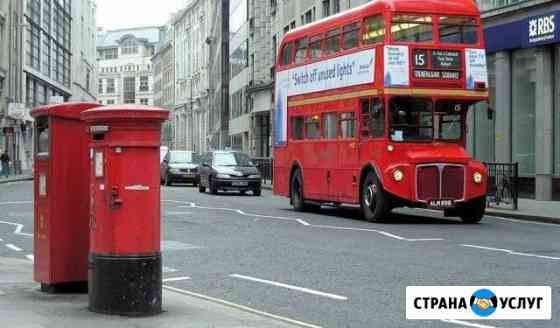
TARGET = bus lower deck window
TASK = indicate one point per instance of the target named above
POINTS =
(297, 128)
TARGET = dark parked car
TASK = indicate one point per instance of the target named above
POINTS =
(228, 171)
(179, 166)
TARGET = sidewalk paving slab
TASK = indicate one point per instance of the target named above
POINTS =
(16, 178)
(22, 305)
(531, 210)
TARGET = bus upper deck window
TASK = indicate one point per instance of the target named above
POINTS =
(315, 46)
(458, 30)
(374, 30)
(412, 28)
(301, 50)
(350, 37)
(287, 52)
(332, 42)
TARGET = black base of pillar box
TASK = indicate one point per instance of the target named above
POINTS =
(75, 287)
(125, 285)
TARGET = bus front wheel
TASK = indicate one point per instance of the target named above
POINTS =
(473, 211)
(373, 200)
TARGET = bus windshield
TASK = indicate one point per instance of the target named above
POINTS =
(420, 120)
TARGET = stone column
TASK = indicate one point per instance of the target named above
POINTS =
(503, 107)
(544, 124)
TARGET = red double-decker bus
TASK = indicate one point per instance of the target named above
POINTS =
(371, 107)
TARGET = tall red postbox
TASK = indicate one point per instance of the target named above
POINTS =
(61, 188)
(125, 270)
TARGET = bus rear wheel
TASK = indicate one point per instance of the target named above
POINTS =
(373, 200)
(296, 194)
(473, 211)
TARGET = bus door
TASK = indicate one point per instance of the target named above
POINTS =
(347, 175)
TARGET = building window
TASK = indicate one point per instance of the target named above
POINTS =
(144, 84)
(100, 88)
(46, 62)
(33, 46)
(326, 8)
(129, 90)
(374, 30)
(237, 104)
(129, 47)
(336, 6)
(47, 15)
(144, 101)
(110, 102)
(523, 110)
(112, 53)
(110, 85)
(239, 59)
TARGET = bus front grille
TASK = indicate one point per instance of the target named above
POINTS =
(440, 181)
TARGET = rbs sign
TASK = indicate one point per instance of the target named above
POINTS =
(542, 29)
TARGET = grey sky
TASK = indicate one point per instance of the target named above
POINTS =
(117, 14)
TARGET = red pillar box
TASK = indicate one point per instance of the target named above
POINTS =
(125, 258)
(61, 231)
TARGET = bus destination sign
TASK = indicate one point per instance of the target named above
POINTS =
(443, 59)
(437, 64)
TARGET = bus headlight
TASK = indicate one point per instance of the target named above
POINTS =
(398, 175)
(477, 178)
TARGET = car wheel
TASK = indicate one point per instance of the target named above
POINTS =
(257, 192)
(213, 189)
(168, 181)
(201, 188)
(373, 200)
(473, 212)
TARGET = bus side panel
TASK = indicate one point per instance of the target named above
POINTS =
(281, 172)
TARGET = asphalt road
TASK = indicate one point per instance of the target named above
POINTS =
(329, 268)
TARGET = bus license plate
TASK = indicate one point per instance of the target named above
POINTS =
(441, 203)
(240, 183)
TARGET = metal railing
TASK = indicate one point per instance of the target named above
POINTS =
(264, 165)
(503, 185)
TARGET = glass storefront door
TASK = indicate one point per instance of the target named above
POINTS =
(523, 110)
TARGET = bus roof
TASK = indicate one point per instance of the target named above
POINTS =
(449, 7)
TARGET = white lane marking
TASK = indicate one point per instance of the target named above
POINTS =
(510, 252)
(176, 279)
(467, 324)
(14, 247)
(292, 287)
(30, 257)
(241, 307)
(301, 221)
(169, 270)
(177, 213)
(381, 232)
(524, 222)
(16, 203)
(19, 228)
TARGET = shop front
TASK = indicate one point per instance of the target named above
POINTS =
(524, 74)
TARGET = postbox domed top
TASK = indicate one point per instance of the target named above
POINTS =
(126, 112)
(65, 110)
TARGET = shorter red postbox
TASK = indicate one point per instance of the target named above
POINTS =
(125, 259)
(61, 188)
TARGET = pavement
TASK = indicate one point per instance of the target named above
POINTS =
(22, 305)
(319, 269)
(16, 178)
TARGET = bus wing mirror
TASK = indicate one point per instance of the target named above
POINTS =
(490, 113)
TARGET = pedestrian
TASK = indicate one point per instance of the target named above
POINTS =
(5, 159)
